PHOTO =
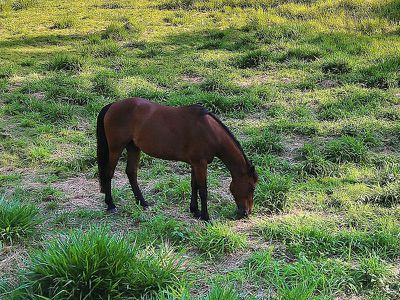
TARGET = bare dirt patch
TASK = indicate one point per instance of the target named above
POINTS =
(83, 191)
(254, 80)
(38, 95)
(292, 147)
(11, 260)
(193, 79)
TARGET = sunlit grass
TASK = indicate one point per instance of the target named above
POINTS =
(309, 88)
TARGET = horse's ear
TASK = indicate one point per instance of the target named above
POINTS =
(252, 172)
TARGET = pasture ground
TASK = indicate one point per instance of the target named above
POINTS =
(311, 88)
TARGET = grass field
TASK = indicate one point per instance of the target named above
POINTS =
(311, 88)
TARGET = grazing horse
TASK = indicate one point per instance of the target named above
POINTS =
(187, 133)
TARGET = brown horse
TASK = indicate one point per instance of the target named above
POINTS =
(188, 133)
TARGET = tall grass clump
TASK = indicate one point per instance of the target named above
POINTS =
(17, 220)
(314, 162)
(219, 84)
(373, 271)
(177, 4)
(63, 23)
(218, 293)
(115, 31)
(65, 62)
(346, 149)
(272, 191)
(382, 73)
(387, 195)
(217, 239)
(6, 70)
(161, 228)
(15, 5)
(103, 84)
(102, 48)
(336, 65)
(98, 265)
(264, 142)
(253, 59)
(305, 52)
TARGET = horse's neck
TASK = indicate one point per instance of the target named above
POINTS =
(233, 157)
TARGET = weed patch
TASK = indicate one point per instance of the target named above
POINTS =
(217, 239)
(264, 142)
(272, 191)
(65, 62)
(17, 220)
(346, 149)
(387, 195)
(359, 102)
(98, 265)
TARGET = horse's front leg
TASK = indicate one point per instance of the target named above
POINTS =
(200, 172)
(194, 207)
(131, 171)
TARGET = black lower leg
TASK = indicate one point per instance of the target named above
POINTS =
(194, 207)
(203, 196)
(136, 190)
(108, 199)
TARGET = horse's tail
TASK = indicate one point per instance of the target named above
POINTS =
(102, 148)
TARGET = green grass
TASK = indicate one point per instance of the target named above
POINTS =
(215, 240)
(162, 229)
(17, 220)
(309, 88)
(264, 142)
(64, 62)
(97, 265)
(388, 195)
(305, 279)
(317, 237)
(346, 149)
(272, 192)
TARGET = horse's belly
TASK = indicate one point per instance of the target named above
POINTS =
(163, 148)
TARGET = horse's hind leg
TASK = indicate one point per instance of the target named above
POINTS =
(194, 206)
(113, 158)
(131, 171)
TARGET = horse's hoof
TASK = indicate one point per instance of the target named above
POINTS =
(196, 214)
(205, 218)
(112, 210)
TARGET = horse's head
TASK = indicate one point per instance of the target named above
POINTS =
(242, 189)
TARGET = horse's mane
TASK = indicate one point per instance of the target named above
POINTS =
(205, 111)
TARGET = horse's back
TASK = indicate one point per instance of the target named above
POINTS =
(176, 133)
